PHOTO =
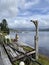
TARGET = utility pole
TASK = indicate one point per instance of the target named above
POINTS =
(36, 38)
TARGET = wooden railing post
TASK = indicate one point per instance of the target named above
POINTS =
(36, 38)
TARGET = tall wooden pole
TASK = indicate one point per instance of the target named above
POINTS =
(36, 38)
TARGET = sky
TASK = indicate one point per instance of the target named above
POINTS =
(18, 13)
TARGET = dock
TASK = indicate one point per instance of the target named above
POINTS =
(4, 60)
(16, 53)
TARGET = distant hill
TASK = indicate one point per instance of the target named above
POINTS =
(44, 29)
(29, 29)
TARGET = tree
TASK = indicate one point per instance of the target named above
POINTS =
(4, 27)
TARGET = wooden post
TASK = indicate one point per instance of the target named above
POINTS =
(36, 38)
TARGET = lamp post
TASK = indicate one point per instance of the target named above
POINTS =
(36, 38)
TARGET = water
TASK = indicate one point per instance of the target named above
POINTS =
(28, 38)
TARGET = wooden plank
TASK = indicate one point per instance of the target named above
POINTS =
(4, 56)
(21, 56)
(1, 61)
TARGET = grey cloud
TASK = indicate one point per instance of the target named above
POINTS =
(8, 8)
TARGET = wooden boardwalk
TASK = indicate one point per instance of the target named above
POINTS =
(23, 55)
(4, 60)
(16, 54)
(1, 61)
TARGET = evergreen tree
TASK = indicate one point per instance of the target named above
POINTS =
(4, 26)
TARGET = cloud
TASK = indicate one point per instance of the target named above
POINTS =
(31, 3)
(47, 1)
(8, 8)
(19, 12)
(42, 19)
(22, 22)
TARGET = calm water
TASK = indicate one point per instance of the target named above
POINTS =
(28, 38)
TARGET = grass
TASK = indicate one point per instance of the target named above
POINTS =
(42, 59)
(27, 48)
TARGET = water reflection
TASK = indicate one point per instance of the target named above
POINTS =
(28, 38)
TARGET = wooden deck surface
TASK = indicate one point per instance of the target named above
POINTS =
(4, 60)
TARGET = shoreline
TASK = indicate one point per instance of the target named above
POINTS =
(42, 50)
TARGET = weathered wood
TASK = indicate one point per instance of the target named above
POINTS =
(36, 46)
(4, 56)
(36, 38)
(21, 56)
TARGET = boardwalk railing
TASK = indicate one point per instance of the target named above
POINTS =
(26, 55)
